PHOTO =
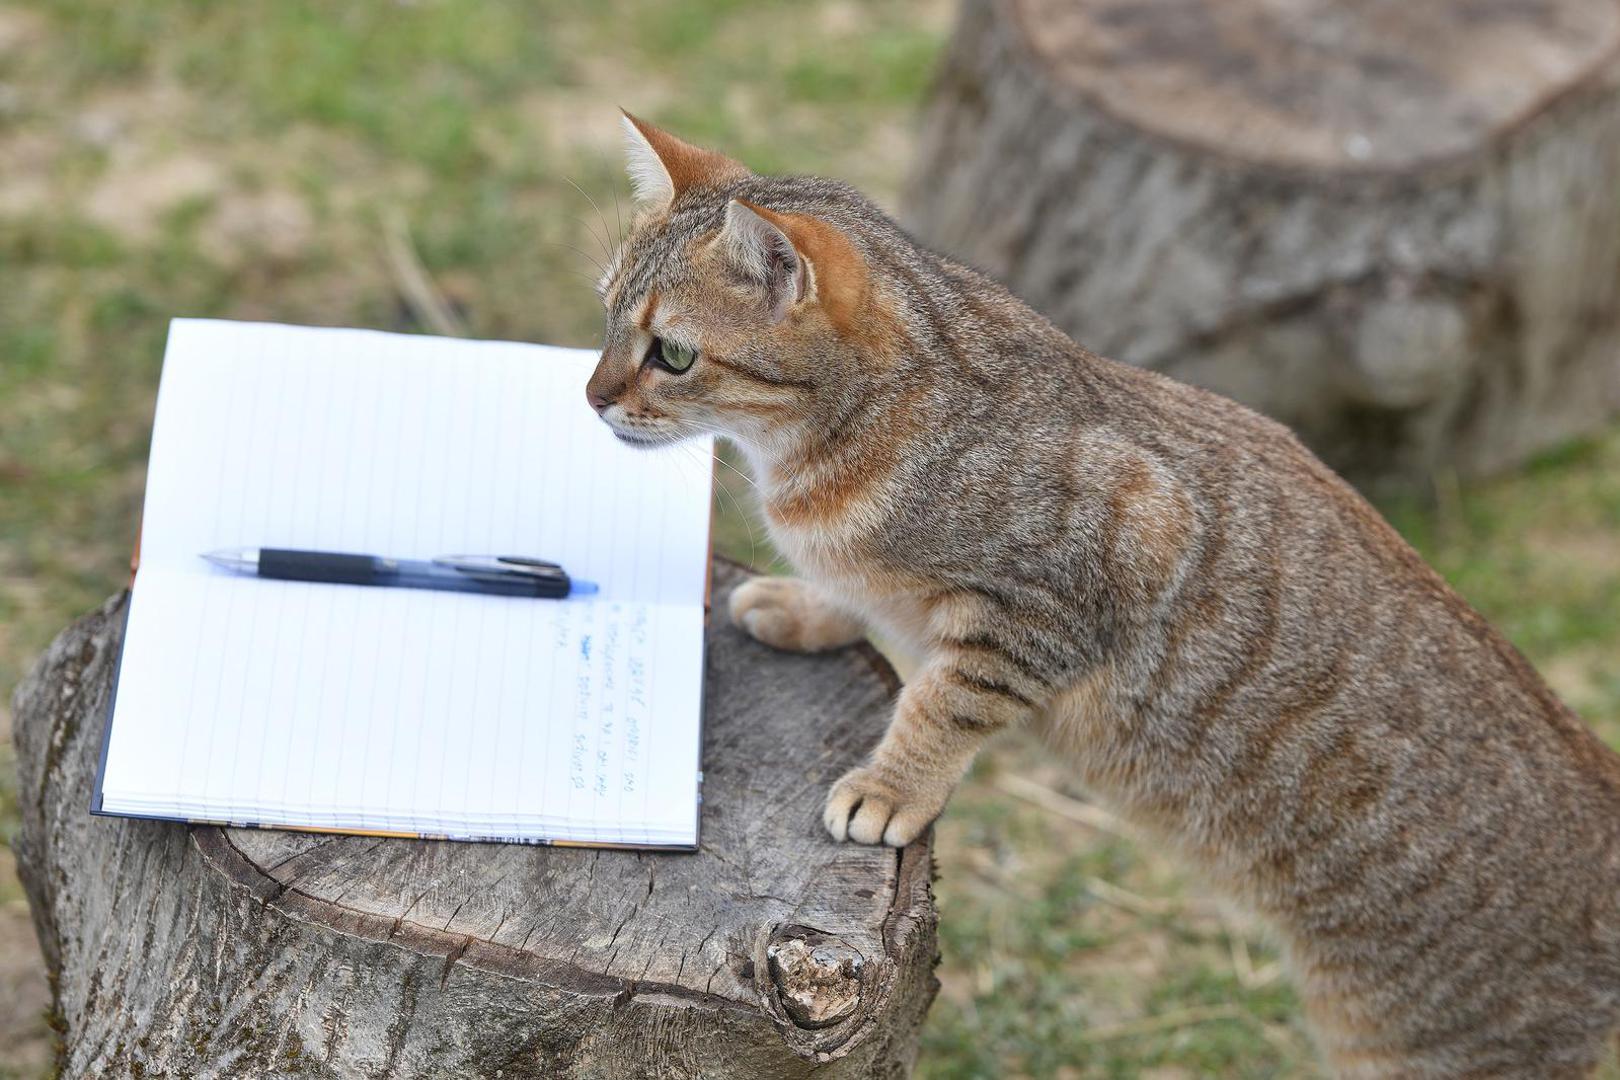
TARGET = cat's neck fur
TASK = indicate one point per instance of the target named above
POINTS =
(952, 345)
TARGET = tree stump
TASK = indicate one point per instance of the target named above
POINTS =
(772, 952)
(1392, 225)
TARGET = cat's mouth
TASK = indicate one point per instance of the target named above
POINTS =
(640, 439)
(644, 438)
(639, 430)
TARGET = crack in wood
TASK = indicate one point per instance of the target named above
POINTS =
(270, 871)
(452, 958)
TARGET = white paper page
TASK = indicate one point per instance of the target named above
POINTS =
(354, 707)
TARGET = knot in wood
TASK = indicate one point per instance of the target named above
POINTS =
(817, 977)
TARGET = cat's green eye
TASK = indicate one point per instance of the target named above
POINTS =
(670, 356)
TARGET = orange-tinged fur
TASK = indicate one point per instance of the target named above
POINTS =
(1240, 657)
(843, 286)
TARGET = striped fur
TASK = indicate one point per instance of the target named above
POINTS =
(1240, 655)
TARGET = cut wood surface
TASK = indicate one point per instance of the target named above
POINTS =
(1391, 225)
(772, 952)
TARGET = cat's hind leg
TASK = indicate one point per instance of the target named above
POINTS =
(792, 614)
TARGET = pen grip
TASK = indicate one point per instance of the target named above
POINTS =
(317, 566)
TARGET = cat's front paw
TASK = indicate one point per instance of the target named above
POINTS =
(786, 613)
(871, 806)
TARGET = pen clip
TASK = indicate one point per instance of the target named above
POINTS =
(503, 565)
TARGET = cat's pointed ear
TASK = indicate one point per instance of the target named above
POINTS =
(762, 250)
(798, 258)
(662, 166)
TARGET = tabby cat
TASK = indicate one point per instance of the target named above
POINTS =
(1240, 656)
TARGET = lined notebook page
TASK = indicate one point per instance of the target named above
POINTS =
(348, 707)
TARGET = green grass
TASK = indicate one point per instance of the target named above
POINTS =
(241, 160)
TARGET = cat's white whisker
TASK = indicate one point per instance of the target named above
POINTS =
(582, 254)
(606, 250)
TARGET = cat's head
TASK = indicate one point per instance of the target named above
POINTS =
(738, 304)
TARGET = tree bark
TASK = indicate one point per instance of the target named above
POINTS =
(772, 952)
(1392, 225)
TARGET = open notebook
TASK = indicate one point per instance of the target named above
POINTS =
(351, 708)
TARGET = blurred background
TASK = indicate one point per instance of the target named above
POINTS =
(452, 166)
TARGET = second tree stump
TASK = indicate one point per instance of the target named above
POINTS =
(1392, 225)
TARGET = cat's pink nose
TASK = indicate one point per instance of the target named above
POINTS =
(604, 387)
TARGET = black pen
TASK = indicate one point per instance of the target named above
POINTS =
(495, 575)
